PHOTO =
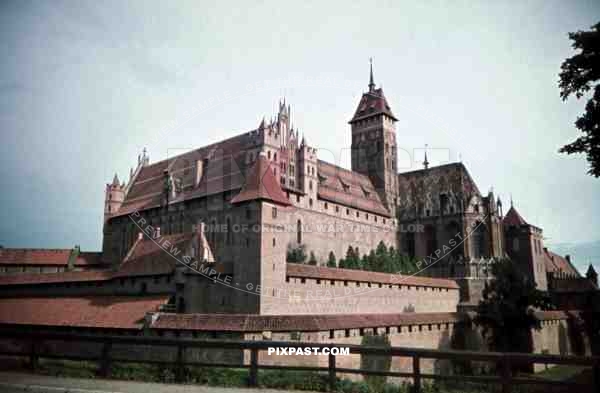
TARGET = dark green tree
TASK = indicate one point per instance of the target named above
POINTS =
(331, 260)
(352, 260)
(506, 312)
(375, 362)
(580, 74)
(296, 254)
(312, 260)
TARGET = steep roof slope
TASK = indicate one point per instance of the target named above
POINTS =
(261, 184)
(372, 103)
(348, 188)
(121, 312)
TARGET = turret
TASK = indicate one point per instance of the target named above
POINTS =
(591, 275)
(113, 198)
(307, 172)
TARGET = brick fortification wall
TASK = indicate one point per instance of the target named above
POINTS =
(557, 336)
(312, 296)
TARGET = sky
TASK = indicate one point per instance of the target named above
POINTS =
(85, 86)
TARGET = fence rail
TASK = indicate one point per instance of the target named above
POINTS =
(504, 361)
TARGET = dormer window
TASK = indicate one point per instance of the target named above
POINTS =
(346, 186)
(366, 192)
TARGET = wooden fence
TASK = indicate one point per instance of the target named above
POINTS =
(504, 361)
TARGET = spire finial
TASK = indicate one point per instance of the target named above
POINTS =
(425, 162)
(511, 200)
(371, 82)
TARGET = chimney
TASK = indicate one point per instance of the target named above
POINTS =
(157, 233)
(199, 172)
(73, 255)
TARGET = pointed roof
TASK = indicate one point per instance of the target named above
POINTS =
(115, 181)
(372, 102)
(371, 80)
(591, 271)
(261, 184)
(513, 218)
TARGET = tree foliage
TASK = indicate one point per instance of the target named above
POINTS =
(296, 254)
(313, 259)
(382, 259)
(579, 75)
(375, 362)
(506, 312)
(331, 262)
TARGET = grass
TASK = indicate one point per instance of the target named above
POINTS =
(274, 379)
(560, 372)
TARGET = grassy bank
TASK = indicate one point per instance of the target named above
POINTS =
(274, 379)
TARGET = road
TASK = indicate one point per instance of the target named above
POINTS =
(13, 382)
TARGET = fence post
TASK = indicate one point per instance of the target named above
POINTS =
(33, 356)
(332, 378)
(180, 372)
(596, 376)
(105, 359)
(416, 374)
(506, 374)
(253, 381)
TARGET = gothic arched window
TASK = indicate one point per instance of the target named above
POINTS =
(299, 231)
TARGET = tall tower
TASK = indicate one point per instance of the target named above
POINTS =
(113, 197)
(374, 143)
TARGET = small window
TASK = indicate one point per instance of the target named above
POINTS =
(347, 212)
(298, 198)
(274, 242)
(337, 209)
(310, 202)
(325, 206)
(274, 212)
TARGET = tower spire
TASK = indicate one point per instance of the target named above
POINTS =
(425, 162)
(371, 82)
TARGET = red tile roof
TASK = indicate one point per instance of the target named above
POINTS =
(327, 273)
(124, 312)
(48, 278)
(571, 284)
(556, 314)
(225, 169)
(289, 323)
(348, 188)
(46, 257)
(556, 263)
(154, 256)
(148, 257)
(261, 184)
(513, 218)
(89, 259)
(372, 103)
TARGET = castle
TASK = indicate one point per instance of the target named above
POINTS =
(197, 244)
(269, 178)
